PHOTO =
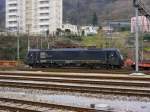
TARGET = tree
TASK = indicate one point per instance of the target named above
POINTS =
(95, 19)
(47, 33)
(147, 37)
(68, 31)
(58, 32)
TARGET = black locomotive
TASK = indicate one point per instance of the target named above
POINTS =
(76, 57)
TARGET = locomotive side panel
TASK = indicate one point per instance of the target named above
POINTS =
(77, 57)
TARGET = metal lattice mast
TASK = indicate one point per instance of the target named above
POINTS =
(139, 8)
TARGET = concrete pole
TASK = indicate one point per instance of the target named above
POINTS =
(28, 37)
(18, 41)
(47, 43)
(28, 42)
(137, 40)
(37, 42)
(18, 48)
(41, 42)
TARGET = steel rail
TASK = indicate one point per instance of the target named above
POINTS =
(74, 75)
(121, 84)
(81, 89)
(84, 70)
(16, 109)
(47, 105)
(81, 81)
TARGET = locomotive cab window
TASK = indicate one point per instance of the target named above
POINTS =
(111, 54)
(30, 55)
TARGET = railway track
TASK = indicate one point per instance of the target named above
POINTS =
(15, 105)
(84, 70)
(110, 84)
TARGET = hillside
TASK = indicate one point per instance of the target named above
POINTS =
(81, 11)
(106, 9)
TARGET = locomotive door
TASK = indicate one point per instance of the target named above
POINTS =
(111, 58)
(32, 58)
(43, 57)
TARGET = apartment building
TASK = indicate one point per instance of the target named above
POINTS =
(144, 24)
(34, 16)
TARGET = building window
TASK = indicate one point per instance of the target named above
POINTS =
(44, 14)
(44, 8)
(44, 2)
(12, 0)
(12, 28)
(13, 5)
(13, 10)
(12, 16)
(44, 26)
(44, 20)
(12, 22)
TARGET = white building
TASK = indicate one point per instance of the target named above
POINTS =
(107, 29)
(34, 16)
(144, 24)
(89, 30)
(72, 28)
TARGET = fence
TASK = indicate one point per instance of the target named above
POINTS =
(5, 63)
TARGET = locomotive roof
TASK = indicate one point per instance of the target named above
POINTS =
(75, 49)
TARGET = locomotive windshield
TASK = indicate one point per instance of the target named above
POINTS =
(30, 55)
(121, 56)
